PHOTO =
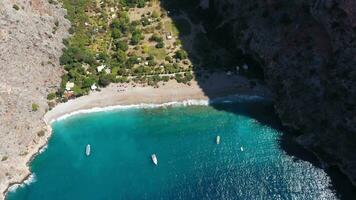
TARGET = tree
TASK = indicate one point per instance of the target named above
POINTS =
(156, 37)
(120, 56)
(181, 54)
(75, 54)
(136, 37)
(115, 33)
(104, 81)
(88, 82)
(132, 61)
(122, 45)
(141, 3)
(159, 45)
(121, 23)
(51, 96)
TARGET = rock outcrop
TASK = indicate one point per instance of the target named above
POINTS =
(309, 49)
(31, 34)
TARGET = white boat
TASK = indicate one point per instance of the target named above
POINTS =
(154, 159)
(241, 148)
(218, 139)
(87, 150)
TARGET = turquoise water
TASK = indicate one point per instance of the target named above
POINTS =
(190, 163)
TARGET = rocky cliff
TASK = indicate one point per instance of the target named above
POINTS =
(309, 49)
(31, 33)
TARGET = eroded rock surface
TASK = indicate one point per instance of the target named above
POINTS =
(309, 48)
(31, 33)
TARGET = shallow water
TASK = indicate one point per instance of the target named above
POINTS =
(190, 163)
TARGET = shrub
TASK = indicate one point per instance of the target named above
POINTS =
(156, 37)
(35, 107)
(16, 7)
(141, 3)
(136, 37)
(183, 26)
(4, 158)
(165, 78)
(115, 33)
(51, 104)
(145, 21)
(40, 133)
(75, 54)
(122, 45)
(51, 96)
(104, 81)
(181, 54)
(188, 76)
(151, 63)
(53, 2)
(160, 45)
(120, 56)
(155, 14)
(169, 59)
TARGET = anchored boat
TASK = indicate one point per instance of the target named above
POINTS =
(218, 139)
(154, 159)
(87, 150)
(241, 148)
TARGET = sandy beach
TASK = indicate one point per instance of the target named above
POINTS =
(127, 94)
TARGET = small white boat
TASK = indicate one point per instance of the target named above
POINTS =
(241, 148)
(218, 139)
(87, 150)
(154, 159)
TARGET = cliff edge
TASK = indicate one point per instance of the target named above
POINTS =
(31, 33)
(309, 50)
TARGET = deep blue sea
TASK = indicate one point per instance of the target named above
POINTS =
(190, 163)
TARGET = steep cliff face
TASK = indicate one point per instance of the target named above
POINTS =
(309, 48)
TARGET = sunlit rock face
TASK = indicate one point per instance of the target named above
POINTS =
(309, 48)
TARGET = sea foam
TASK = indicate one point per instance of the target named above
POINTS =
(190, 102)
(30, 179)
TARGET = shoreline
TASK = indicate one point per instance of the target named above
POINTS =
(162, 99)
(13, 186)
(187, 102)
(127, 95)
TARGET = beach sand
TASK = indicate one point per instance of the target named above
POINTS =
(217, 85)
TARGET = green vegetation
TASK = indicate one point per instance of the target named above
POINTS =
(181, 54)
(51, 96)
(35, 107)
(183, 26)
(171, 27)
(16, 7)
(53, 2)
(107, 46)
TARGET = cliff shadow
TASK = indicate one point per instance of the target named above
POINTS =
(211, 47)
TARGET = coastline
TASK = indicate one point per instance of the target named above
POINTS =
(116, 95)
(27, 176)
(127, 95)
